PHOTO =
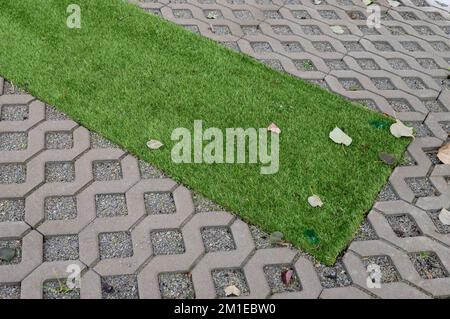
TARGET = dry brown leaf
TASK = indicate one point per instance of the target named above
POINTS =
(339, 137)
(154, 144)
(274, 128)
(444, 154)
(315, 201)
(398, 129)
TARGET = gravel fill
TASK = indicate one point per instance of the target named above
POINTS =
(192, 28)
(120, 287)
(159, 203)
(261, 47)
(383, 84)
(320, 83)
(387, 194)
(148, 171)
(432, 155)
(434, 16)
(251, 30)
(274, 64)
(11, 173)
(231, 45)
(388, 271)
(367, 64)
(111, 205)
(221, 30)
(398, 64)
(282, 29)
(300, 14)
(428, 265)
(304, 65)
(336, 64)
(408, 15)
(61, 248)
(182, 13)
(328, 14)
(224, 278)
(311, 30)
(396, 30)
(420, 129)
(52, 114)
(400, 105)
(323, 46)
(107, 170)
(12, 210)
(54, 289)
(365, 232)
(332, 277)
(411, 46)
(59, 172)
(217, 239)
(9, 291)
(403, 225)
(274, 279)
(368, 31)
(350, 84)
(115, 245)
(415, 83)
(58, 140)
(382, 46)
(176, 286)
(9, 88)
(167, 242)
(60, 208)
(423, 30)
(353, 46)
(13, 141)
(408, 160)
(272, 14)
(356, 15)
(14, 112)
(441, 228)
(243, 14)
(15, 244)
(369, 104)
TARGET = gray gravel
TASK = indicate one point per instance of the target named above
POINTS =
(120, 287)
(12, 173)
(383, 84)
(351, 84)
(388, 271)
(282, 29)
(261, 47)
(403, 225)
(9, 291)
(272, 14)
(356, 15)
(231, 45)
(328, 14)
(60, 208)
(423, 30)
(61, 248)
(107, 170)
(9, 88)
(336, 64)
(221, 30)
(396, 30)
(301, 14)
(311, 30)
(332, 277)
(420, 129)
(182, 13)
(192, 28)
(54, 289)
(149, 171)
(400, 105)
(353, 46)
(14, 112)
(167, 242)
(323, 46)
(321, 83)
(59, 172)
(415, 83)
(15, 244)
(441, 228)
(426, 63)
(432, 155)
(217, 239)
(52, 114)
(366, 232)
(115, 245)
(274, 64)
(243, 14)
(224, 278)
(251, 30)
(368, 64)
(274, 279)
(304, 65)
(370, 104)
(12, 210)
(421, 187)
(368, 31)
(159, 203)
(428, 265)
(176, 286)
(398, 64)
(218, 13)
(411, 46)
(111, 205)
(261, 238)
(387, 193)
(408, 160)
(382, 46)
(59, 140)
(13, 141)
(407, 15)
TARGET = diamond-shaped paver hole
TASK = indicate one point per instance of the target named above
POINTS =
(301, 14)
(370, 104)
(221, 29)
(203, 204)
(60, 208)
(328, 14)
(353, 46)
(52, 114)
(58, 140)
(305, 65)
(422, 187)
(440, 227)
(148, 171)
(251, 29)
(411, 46)
(217, 239)
(264, 2)
(367, 30)
(272, 14)
(434, 15)
(292, 46)
(311, 30)
(59, 172)
(16, 245)
(387, 194)
(428, 265)
(415, 83)
(9, 291)
(64, 247)
(398, 64)
(231, 45)
(383, 84)
(159, 203)
(336, 64)
(420, 129)
(404, 225)
(274, 275)
(356, 15)
(9, 88)
(260, 47)
(323, 46)
(176, 286)
(383, 46)
(351, 84)
(396, 30)
(167, 242)
(111, 205)
(386, 16)
(115, 245)
(107, 170)
(182, 13)
(440, 46)
(420, 3)
(120, 287)
(282, 29)
(14, 113)
(12, 209)
(428, 64)
(57, 289)
(274, 64)
(432, 155)
(243, 14)
(367, 64)
(11, 173)
(214, 14)
(434, 106)
(224, 278)
(333, 276)
(423, 30)
(366, 232)
(407, 15)
(388, 271)
(13, 141)
(400, 105)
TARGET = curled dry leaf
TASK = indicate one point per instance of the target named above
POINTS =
(367, 2)
(286, 276)
(232, 291)
(444, 154)
(337, 29)
(339, 137)
(154, 144)
(317, 2)
(444, 216)
(398, 129)
(315, 201)
(274, 128)
(393, 3)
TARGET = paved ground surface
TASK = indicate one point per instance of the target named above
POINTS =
(67, 196)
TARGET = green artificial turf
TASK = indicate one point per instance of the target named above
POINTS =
(132, 76)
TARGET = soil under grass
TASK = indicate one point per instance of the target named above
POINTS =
(131, 76)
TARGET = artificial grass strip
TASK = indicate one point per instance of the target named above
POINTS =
(132, 76)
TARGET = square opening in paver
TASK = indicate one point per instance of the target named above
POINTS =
(11, 252)
(14, 113)
(60, 208)
(12, 209)
(305, 65)
(428, 265)
(120, 287)
(351, 84)
(336, 64)
(404, 225)
(176, 285)
(282, 278)
(224, 278)
(9, 291)
(367, 64)
(115, 245)
(182, 13)
(243, 14)
(282, 29)
(59, 172)
(64, 247)
(353, 46)
(400, 105)
(59, 140)
(107, 170)
(13, 141)
(323, 46)
(383, 46)
(217, 239)
(111, 205)
(388, 271)
(292, 46)
(383, 84)
(333, 276)
(260, 47)
(167, 242)
(57, 289)
(159, 203)
(12, 173)
(415, 83)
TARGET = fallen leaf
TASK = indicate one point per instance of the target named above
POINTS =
(444, 154)
(286, 276)
(212, 15)
(317, 2)
(274, 128)
(315, 201)
(379, 123)
(398, 129)
(232, 291)
(444, 216)
(387, 158)
(311, 236)
(7, 254)
(276, 237)
(339, 137)
(337, 29)
(154, 144)
(367, 2)
(393, 3)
